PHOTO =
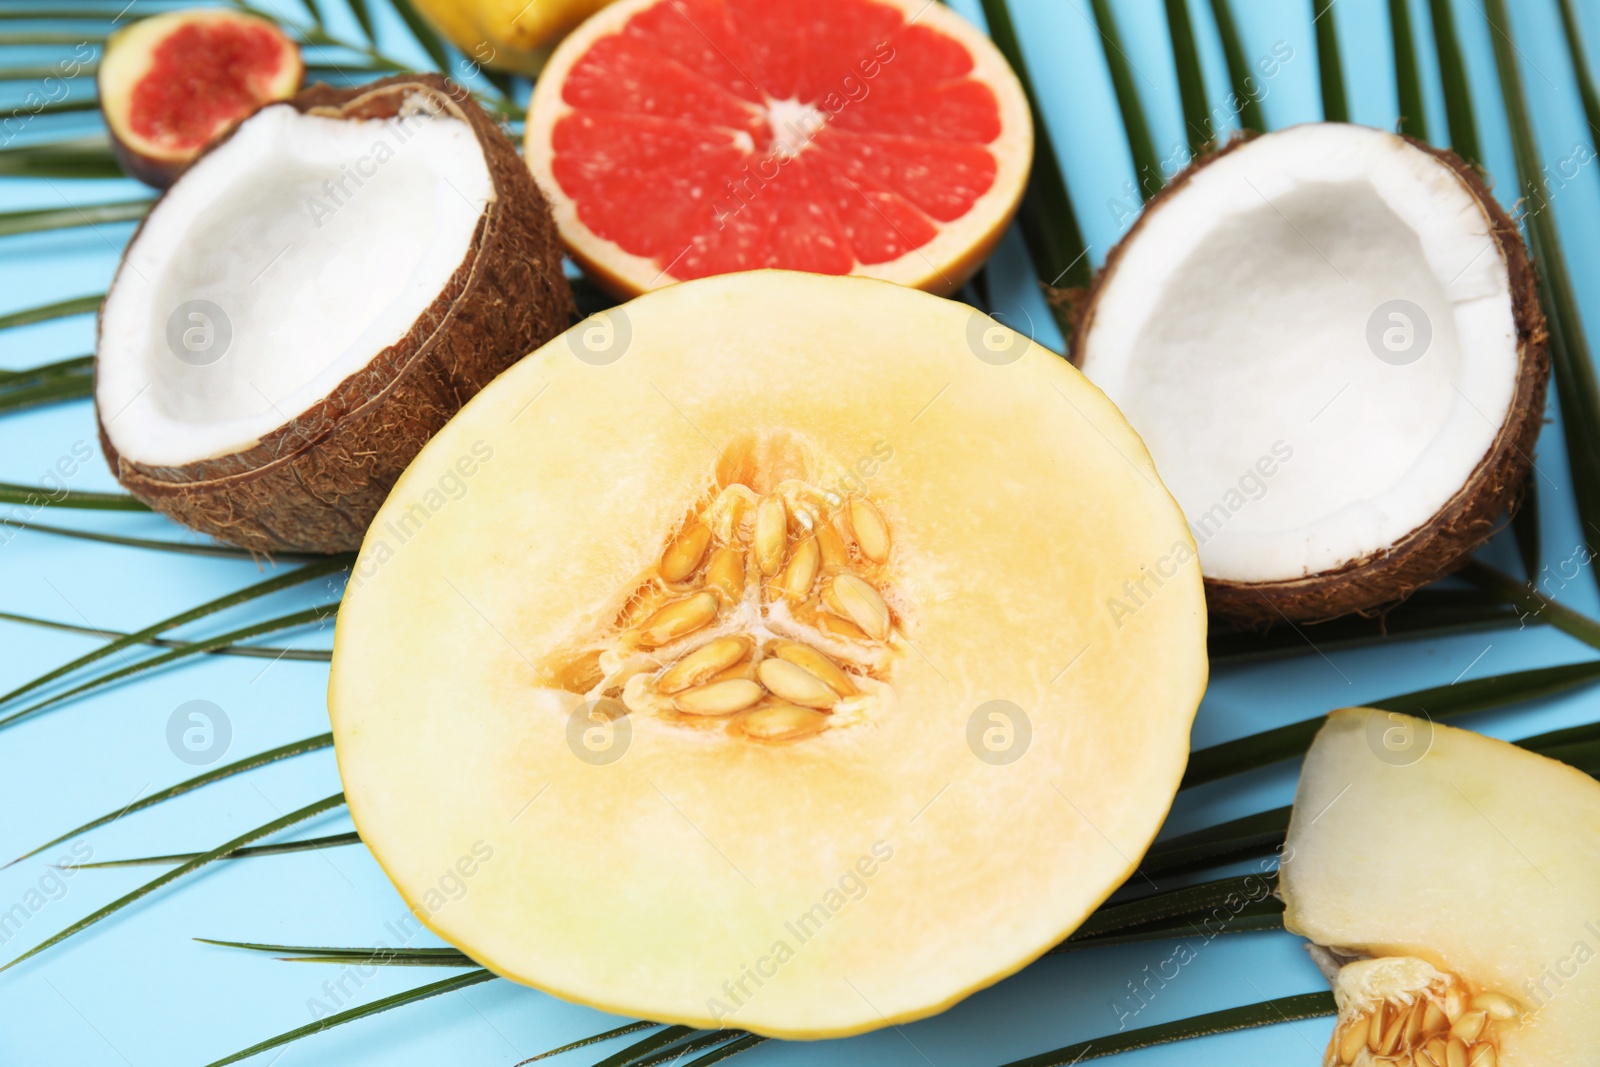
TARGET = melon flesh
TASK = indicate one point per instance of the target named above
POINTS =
(876, 869)
(1475, 860)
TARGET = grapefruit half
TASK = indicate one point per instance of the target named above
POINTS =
(683, 138)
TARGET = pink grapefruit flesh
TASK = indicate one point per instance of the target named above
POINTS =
(684, 138)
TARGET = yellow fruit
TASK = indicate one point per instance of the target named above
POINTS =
(759, 812)
(1465, 868)
(509, 35)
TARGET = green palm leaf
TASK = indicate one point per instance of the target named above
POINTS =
(595, 1039)
(1453, 73)
(1525, 528)
(733, 1048)
(216, 774)
(279, 848)
(424, 34)
(1407, 82)
(250, 651)
(298, 576)
(1146, 161)
(1532, 604)
(1048, 224)
(1427, 613)
(1248, 919)
(62, 368)
(1251, 116)
(88, 157)
(410, 996)
(317, 614)
(59, 309)
(363, 16)
(1572, 367)
(1266, 1013)
(1244, 837)
(37, 496)
(639, 1049)
(1191, 79)
(1330, 70)
(283, 822)
(195, 548)
(19, 396)
(1171, 903)
(384, 957)
(1441, 702)
(1580, 69)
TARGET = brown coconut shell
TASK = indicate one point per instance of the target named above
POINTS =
(1445, 543)
(314, 484)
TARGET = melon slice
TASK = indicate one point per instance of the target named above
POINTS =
(1330, 339)
(311, 300)
(173, 83)
(1461, 873)
(769, 671)
(683, 138)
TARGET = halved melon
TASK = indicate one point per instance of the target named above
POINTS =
(1455, 883)
(777, 668)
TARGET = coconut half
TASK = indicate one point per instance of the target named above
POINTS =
(1330, 340)
(311, 301)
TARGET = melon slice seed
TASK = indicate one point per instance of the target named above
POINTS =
(732, 620)
(1407, 1012)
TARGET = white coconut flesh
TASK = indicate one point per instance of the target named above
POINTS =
(320, 241)
(1249, 333)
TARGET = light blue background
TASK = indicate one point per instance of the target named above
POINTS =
(136, 990)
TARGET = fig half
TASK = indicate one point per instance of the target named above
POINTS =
(173, 83)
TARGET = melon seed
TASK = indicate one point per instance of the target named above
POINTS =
(835, 557)
(872, 533)
(801, 573)
(1391, 1035)
(795, 684)
(859, 602)
(1455, 1053)
(834, 626)
(1496, 1006)
(719, 698)
(1355, 1035)
(725, 573)
(772, 530)
(684, 554)
(782, 722)
(1470, 1026)
(703, 663)
(809, 658)
(677, 619)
